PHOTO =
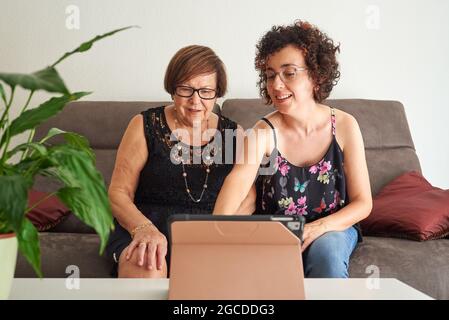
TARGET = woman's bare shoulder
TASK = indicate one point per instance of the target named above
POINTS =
(135, 134)
(136, 121)
(347, 127)
(344, 120)
(272, 117)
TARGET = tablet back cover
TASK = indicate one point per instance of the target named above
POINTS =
(235, 260)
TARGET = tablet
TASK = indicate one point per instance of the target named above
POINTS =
(294, 223)
(235, 257)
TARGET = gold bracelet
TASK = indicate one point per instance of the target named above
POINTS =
(140, 227)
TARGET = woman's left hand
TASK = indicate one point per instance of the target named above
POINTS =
(312, 231)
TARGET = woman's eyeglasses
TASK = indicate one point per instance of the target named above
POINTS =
(203, 93)
(287, 74)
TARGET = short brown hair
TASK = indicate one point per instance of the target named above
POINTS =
(319, 54)
(192, 61)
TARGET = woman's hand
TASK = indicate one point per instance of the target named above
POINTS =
(151, 247)
(312, 231)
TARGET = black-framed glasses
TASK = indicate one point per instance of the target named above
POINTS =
(287, 73)
(203, 93)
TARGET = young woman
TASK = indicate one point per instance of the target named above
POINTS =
(318, 166)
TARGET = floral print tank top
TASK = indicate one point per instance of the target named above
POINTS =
(311, 191)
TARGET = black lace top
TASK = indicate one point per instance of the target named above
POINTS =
(161, 190)
(312, 191)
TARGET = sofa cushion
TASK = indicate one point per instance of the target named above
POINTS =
(409, 207)
(72, 224)
(101, 122)
(46, 214)
(422, 265)
(60, 250)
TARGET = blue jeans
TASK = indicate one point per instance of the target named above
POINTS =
(328, 256)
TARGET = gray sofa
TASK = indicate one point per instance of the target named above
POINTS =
(389, 152)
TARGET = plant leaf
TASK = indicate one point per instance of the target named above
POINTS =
(88, 44)
(3, 95)
(74, 139)
(46, 79)
(51, 133)
(14, 199)
(4, 225)
(30, 119)
(30, 166)
(28, 239)
(84, 192)
(41, 150)
(98, 217)
(79, 142)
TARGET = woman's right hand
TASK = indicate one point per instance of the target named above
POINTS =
(150, 245)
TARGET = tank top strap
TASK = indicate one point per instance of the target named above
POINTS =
(333, 121)
(274, 131)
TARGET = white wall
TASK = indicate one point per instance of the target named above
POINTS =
(389, 50)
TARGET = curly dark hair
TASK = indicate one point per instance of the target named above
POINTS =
(319, 54)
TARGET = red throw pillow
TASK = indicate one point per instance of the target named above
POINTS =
(409, 207)
(48, 213)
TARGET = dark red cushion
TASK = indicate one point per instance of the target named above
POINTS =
(48, 213)
(409, 207)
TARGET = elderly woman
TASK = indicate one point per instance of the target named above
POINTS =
(171, 160)
(306, 142)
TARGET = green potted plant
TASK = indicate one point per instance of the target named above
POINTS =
(72, 163)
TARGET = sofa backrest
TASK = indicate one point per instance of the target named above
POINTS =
(388, 143)
(103, 123)
(389, 146)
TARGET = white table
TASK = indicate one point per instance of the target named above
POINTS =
(146, 289)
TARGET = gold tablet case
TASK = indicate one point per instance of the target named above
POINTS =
(234, 260)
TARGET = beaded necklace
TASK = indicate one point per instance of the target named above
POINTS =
(208, 161)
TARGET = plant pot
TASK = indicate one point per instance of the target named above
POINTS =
(8, 256)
